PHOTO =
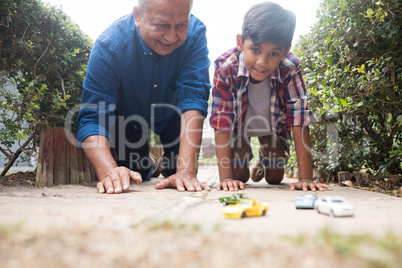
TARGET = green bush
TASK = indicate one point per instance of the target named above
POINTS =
(353, 70)
(44, 55)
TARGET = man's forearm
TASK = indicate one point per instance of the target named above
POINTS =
(96, 149)
(190, 141)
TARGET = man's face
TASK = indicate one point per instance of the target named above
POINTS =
(261, 59)
(164, 24)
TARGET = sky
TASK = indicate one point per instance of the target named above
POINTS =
(223, 18)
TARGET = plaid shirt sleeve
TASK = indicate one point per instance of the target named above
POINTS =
(222, 114)
(296, 95)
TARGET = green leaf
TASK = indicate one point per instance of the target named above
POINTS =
(369, 13)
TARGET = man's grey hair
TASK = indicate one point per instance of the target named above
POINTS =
(143, 4)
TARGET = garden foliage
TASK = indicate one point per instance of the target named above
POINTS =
(43, 54)
(353, 70)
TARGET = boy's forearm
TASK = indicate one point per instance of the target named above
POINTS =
(301, 137)
(223, 151)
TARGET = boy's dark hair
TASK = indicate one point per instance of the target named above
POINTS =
(269, 22)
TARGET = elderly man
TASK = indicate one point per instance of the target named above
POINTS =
(148, 70)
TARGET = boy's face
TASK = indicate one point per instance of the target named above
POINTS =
(261, 59)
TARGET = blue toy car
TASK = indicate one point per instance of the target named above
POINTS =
(306, 201)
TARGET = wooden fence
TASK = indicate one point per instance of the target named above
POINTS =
(60, 160)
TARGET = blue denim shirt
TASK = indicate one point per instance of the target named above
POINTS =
(124, 77)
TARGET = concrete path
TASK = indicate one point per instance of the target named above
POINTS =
(80, 205)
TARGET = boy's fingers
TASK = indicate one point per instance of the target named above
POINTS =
(230, 184)
(327, 186)
(225, 186)
(292, 187)
(312, 187)
(320, 188)
(205, 187)
(305, 186)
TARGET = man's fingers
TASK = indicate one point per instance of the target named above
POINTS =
(162, 184)
(123, 177)
(188, 184)
(100, 187)
(116, 180)
(108, 184)
(135, 177)
(180, 186)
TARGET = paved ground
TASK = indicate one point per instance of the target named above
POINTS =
(72, 204)
(73, 226)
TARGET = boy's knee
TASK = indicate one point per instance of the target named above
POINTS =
(241, 174)
(273, 180)
(274, 176)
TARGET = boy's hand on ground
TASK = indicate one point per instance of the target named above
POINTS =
(118, 180)
(183, 181)
(306, 184)
(231, 185)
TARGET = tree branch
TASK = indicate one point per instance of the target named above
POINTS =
(5, 152)
(17, 154)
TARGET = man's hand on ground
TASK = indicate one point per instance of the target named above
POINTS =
(118, 180)
(182, 181)
(306, 184)
(231, 185)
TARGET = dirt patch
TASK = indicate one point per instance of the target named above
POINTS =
(18, 180)
(384, 186)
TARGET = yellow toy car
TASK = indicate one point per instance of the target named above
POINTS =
(245, 208)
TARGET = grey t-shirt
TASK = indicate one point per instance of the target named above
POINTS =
(258, 115)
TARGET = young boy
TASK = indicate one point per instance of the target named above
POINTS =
(259, 91)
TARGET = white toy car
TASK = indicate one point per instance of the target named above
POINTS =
(334, 206)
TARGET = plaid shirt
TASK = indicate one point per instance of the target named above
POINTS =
(288, 96)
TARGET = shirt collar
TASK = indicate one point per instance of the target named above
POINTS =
(242, 66)
(276, 75)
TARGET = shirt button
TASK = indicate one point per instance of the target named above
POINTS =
(156, 85)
